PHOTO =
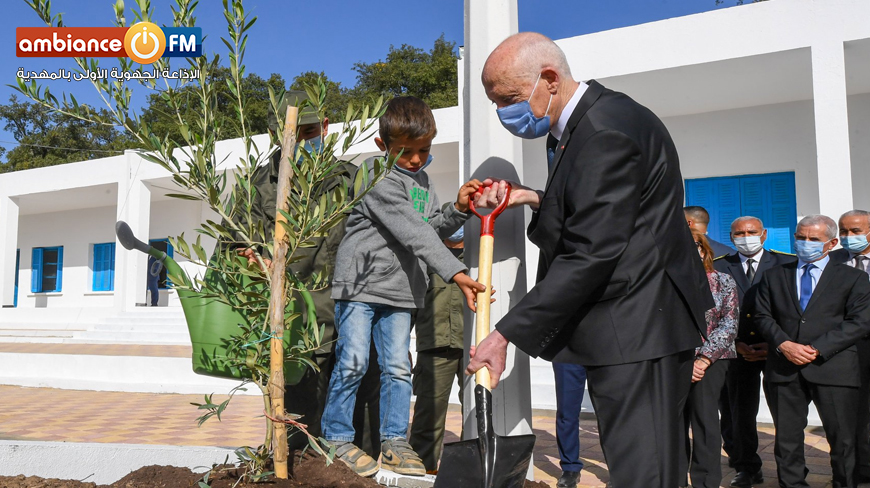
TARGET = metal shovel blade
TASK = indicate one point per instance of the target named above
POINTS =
(490, 461)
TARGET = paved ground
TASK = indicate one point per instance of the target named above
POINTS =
(141, 418)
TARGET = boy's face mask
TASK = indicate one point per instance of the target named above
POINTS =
(408, 171)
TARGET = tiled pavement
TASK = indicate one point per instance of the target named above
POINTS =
(43, 414)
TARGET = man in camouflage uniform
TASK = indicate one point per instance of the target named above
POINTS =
(439, 330)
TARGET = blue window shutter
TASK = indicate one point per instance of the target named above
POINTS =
(782, 219)
(59, 286)
(104, 266)
(36, 271)
(110, 270)
(17, 267)
(97, 284)
(726, 210)
(754, 196)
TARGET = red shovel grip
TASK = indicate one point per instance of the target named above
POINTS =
(487, 222)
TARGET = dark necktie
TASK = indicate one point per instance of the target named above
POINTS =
(861, 263)
(806, 285)
(551, 153)
(750, 271)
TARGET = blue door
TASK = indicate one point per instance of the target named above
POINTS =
(770, 197)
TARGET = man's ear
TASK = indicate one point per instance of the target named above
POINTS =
(380, 143)
(551, 76)
(833, 243)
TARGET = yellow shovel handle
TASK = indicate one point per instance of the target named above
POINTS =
(483, 298)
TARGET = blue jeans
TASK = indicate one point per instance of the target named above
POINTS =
(357, 324)
(570, 386)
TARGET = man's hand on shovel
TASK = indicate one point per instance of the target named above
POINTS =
(491, 353)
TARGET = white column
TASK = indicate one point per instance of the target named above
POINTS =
(490, 150)
(134, 207)
(830, 106)
(8, 245)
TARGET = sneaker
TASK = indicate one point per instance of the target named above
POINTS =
(356, 459)
(398, 456)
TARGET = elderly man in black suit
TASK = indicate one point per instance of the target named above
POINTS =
(698, 219)
(743, 382)
(620, 287)
(854, 230)
(812, 313)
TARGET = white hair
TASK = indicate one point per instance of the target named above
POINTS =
(823, 220)
(857, 213)
(745, 218)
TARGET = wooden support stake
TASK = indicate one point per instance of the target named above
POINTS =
(278, 299)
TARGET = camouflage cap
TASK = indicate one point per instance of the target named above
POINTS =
(308, 114)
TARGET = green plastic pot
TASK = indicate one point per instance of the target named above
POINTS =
(212, 323)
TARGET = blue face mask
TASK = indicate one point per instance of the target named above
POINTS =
(313, 146)
(408, 171)
(854, 244)
(520, 121)
(809, 251)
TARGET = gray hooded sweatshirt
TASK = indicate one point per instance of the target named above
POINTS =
(391, 239)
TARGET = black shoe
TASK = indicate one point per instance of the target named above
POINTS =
(745, 479)
(568, 479)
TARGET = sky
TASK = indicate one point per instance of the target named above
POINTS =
(291, 37)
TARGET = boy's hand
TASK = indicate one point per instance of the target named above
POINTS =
(495, 189)
(248, 254)
(470, 289)
(465, 193)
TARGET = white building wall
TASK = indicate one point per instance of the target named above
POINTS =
(755, 140)
(859, 138)
(77, 231)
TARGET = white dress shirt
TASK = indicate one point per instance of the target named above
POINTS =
(756, 258)
(815, 273)
(559, 128)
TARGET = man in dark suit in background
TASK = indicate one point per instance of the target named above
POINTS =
(812, 313)
(743, 382)
(698, 219)
(620, 287)
(854, 229)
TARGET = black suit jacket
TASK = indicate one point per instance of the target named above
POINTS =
(619, 278)
(747, 332)
(839, 256)
(836, 317)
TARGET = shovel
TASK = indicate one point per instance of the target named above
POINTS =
(490, 461)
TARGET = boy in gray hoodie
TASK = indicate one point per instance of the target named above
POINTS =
(391, 240)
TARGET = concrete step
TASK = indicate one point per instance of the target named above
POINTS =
(132, 337)
(37, 332)
(141, 327)
(32, 340)
(109, 373)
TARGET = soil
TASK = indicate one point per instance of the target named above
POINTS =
(308, 471)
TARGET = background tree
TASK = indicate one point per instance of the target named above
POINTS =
(431, 76)
(47, 138)
(163, 118)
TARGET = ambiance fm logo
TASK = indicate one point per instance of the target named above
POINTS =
(144, 42)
